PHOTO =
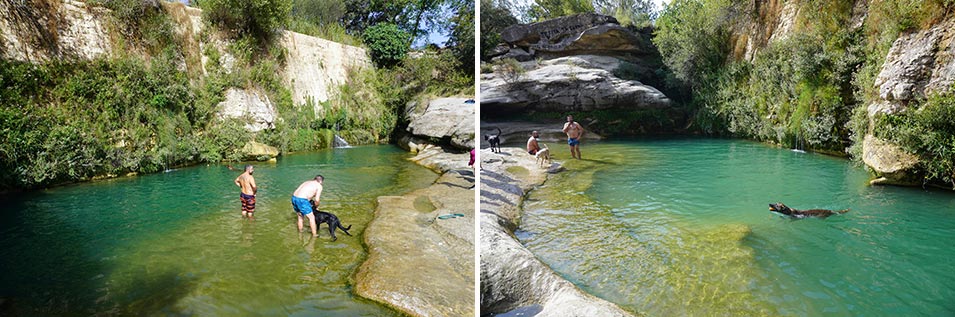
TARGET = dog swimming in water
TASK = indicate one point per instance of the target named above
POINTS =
(782, 209)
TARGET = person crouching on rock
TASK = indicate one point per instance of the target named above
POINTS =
(302, 198)
(532, 145)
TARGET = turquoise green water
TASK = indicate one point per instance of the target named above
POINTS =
(682, 227)
(175, 244)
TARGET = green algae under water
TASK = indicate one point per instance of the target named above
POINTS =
(175, 244)
(682, 228)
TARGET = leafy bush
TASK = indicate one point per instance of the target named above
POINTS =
(387, 43)
(927, 130)
(258, 19)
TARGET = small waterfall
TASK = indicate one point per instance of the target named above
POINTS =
(339, 142)
(799, 145)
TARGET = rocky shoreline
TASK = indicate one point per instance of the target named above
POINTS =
(421, 244)
(512, 278)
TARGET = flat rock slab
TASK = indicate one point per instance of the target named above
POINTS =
(512, 278)
(441, 118)
(417, 263)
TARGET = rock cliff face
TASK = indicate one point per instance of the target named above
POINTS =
(918, 64)
(581, 63)
(446, 122)
(38, 31)
(443, 118)
(582, 34)
(773, 20)
(575, 83)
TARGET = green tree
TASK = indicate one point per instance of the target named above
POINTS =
(461, 40)
(363, 14)
(258, 19)
(388, 44)
(549, 9)
(692, 38)
(495, 17)
(319, 12)
(628, 12)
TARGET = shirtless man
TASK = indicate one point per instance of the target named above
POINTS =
(246, 183)
(302, 199)
(574, 133)
(532, 145)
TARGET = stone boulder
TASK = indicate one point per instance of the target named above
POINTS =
(892, 164)
(255, 151)
(450, 121)
(252, 106)
(574, 83)
(586, 33)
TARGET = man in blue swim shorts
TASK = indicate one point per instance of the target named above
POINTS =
(574, 132)
(302, 200)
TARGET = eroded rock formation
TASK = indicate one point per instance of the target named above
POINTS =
(512, 278)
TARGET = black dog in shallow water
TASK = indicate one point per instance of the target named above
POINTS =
(796, 213)
(332, 221)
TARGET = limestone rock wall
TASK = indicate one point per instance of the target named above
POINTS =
(581, 63)
(315, 67)
(573, 83)
(442, 121)
(919, 64)
(40, 30)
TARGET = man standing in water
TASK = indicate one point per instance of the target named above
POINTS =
(310, 191)
(574, 133)
(246, 183)
(532, 145)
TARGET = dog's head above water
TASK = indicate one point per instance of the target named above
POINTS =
(780, 208)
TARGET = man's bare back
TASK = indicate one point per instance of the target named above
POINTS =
(311, 190)
(246, 182)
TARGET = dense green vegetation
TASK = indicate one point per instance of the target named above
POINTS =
(810, 89)
(151, 107)
(387, 44)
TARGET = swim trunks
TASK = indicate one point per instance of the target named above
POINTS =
(533, 152)
(248, 203)
(573, 141)
(301, 205)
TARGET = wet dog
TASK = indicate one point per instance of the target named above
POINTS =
(332, 221)
(543, 155)
(796, 213)
(494, 140)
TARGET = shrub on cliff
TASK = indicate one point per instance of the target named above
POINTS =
(387, 44)
(259, 19)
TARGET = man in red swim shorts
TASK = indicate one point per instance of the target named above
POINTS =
(247, 183)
